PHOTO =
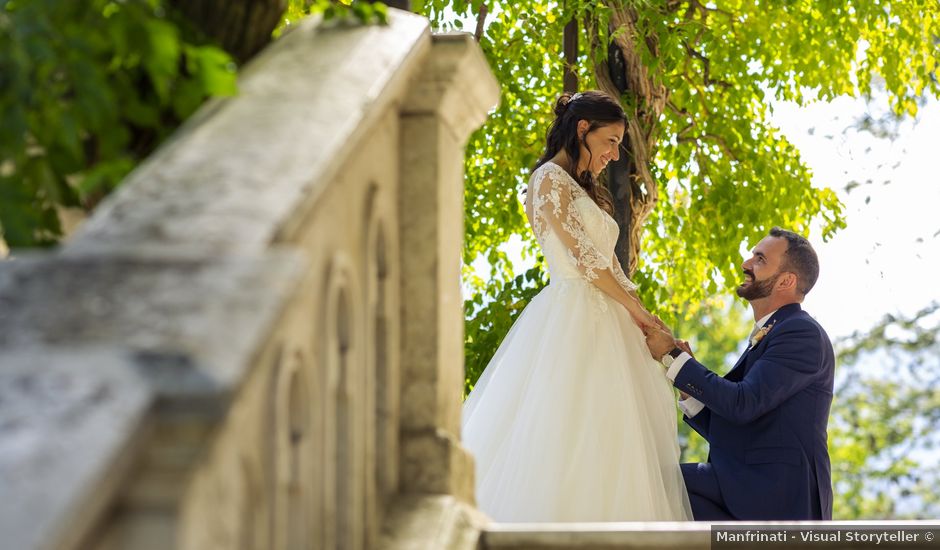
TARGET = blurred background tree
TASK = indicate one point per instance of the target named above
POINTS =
(87, 90)
(883, 433)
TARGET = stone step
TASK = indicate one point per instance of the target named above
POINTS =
(596, 536)
(828, 535)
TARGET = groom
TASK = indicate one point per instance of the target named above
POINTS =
(765, 421)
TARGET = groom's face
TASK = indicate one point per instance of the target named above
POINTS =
(762, 270)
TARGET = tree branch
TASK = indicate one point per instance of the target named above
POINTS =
(706, 67)
(682, 113)
(718, 140)
(705, 10)
(481, 19)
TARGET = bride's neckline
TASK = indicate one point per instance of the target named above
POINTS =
(558, 166)
(584, 193)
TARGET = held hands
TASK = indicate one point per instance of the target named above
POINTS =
(659, 337)
(645, 320)
(660, 342)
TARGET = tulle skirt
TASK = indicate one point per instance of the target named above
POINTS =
(572, 420)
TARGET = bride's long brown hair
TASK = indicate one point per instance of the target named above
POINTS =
(599, 109)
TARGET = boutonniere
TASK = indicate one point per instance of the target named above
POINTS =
(761, 333)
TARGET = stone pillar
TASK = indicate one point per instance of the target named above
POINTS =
(448, 100)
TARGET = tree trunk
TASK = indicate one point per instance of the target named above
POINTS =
(570, 81)
(619, 172)
(631, 183)
(241, 27)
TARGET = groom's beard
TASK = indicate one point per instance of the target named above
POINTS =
(758, 289)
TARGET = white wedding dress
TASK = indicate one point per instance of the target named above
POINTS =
(572, 420)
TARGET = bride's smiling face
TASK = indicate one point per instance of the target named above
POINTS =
(599, 146)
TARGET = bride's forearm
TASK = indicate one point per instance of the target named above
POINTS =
(636, 305)
(636, 297)
(607, 282)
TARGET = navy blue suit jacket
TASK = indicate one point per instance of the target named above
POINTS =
(765, 421)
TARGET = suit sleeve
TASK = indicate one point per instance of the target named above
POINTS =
(791, 362)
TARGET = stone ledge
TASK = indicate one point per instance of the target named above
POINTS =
(162, 312)
(653, 535)
(421, 522)
(70, 426)
(458, 85)
(98, 350)
(433, 462)
(595, 536)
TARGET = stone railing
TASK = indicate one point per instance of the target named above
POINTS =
(822, 535)
(257, 341)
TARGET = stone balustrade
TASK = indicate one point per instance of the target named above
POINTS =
(256, 342)
(830, 535)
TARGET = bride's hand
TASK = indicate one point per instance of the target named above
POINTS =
(661, 324)
(658, 324)
(645, 320)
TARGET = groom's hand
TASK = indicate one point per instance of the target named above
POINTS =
(659, 342)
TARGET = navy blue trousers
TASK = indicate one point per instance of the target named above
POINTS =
(704, 493)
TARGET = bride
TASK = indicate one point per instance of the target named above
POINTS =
(572, 420)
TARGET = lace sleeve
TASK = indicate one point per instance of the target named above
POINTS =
(621, 277)
(553, 208)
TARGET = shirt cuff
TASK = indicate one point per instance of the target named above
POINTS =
(677, 366)
(691, 406)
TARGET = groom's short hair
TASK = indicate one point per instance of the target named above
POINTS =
(800, 258)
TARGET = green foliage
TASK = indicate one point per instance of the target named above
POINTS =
(726, 174)
(87, 89)
(359, 11)
(885, 419)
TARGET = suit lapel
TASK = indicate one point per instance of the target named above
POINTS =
(778, 316)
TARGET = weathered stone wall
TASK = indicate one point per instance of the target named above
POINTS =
(257, 342)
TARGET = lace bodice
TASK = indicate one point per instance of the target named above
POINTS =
(577, 237)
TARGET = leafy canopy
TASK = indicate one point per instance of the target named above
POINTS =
(342, 10)
(87, 90)
(725, 174)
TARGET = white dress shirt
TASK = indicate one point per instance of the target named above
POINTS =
(691, 406)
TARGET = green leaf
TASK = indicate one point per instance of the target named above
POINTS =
(215, 71)
(163, 55)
